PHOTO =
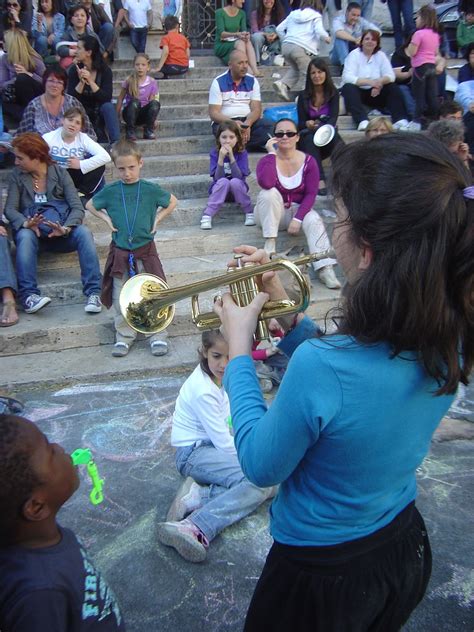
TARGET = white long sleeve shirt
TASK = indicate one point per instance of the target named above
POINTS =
(90, 154)
(358, 66)
(303, 27)
(201, 413)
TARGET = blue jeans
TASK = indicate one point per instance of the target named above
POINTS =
(41, 45)
(341, 48)
(111, 121)
(106, 35)
(229, 497)
(138, 39)
(409, 99)
(367, 7)
(7, 273)
(28, 246)
(398, 8)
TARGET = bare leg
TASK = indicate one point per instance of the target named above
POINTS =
(9, 315)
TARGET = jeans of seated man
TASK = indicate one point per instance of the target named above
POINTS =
(341, 48)
(28, 246)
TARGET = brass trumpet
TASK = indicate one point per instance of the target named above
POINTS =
(148, 304)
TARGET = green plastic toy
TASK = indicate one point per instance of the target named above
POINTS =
(83, 456)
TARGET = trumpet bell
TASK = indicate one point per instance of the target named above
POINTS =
(138, 307)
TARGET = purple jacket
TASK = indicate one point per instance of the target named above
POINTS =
(304, 195)
(239, 169)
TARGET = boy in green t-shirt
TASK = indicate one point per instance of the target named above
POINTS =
(130, 208)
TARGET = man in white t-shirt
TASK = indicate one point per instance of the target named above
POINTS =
(236, 95)
(139, 17)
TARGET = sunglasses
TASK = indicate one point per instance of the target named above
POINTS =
(288, 134)
(12, 5)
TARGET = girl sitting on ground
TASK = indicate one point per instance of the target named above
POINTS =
(229, 167)
(139, 97)
(215, 493)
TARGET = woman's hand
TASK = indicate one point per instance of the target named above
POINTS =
(51, 39)
(271, 145)
(223, 151)
(73, 163)
(312, 124)
(21, 70)
(3, 231)
(294, 227)
(33, 223)
(244, 36)
(57, 230)
(239, 323)
(84, 74)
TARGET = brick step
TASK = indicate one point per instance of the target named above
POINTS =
(59, 327)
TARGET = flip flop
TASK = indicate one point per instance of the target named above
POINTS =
(8, 307)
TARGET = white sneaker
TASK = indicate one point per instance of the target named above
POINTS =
(93, 305)
(375, 113)
(401, 125)
(187, 500)
(413, 126)
(328, 277)
(282, 90)
(362, 126)
(278, 60)
(249, 219)
(206, 222)
(159, 347)
(185, 538)
(270, 246)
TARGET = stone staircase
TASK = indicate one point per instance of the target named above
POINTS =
(61, 343)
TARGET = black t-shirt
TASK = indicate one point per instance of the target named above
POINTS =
(401, 60)
(55, 589)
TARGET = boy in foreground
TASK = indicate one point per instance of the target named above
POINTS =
(131, 209)
(47, 580)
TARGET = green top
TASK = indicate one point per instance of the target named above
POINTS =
(110, 200)
(464, 33)
(224, 22)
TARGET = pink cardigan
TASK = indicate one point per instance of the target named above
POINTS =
(304, 195)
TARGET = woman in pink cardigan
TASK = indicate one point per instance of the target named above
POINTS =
(289, 180)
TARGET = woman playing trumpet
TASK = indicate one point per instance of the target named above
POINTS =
(356, 410)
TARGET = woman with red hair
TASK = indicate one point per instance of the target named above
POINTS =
(369, 80)
(46, 214)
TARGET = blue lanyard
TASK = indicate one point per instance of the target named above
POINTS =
(130, 228)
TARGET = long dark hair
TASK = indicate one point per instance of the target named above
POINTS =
(92, 45)
(329, 89)
(277, 15)
(404, 197)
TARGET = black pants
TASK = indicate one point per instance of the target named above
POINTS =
(469, 125)
(261, 131)
(134, 114)
(390, 97)
(87, 183)
(424, 85)
(367, 585)
(26, 89)
(319, 153)
(171, 70)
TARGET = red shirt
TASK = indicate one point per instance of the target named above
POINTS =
(177, 46)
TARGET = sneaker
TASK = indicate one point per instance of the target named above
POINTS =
(270, 246)
(93, 305)
(362, 126)
(249, 219)
(149, 134)
(329, 278)
(401, 125)
(185, 537)
(375, 113)
(34, 303)
(120, 349)
(413, 126)
(130, 134)
(206, 222)
(187, 500)
(282, 90)
(159, 347)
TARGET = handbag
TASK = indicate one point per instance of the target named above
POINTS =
(53, 211)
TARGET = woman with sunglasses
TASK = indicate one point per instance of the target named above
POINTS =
(45, 113)
(318, 105)
(356, 410)
(289, 180)
(16, 15)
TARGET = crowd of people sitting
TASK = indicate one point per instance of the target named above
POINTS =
(56, 81)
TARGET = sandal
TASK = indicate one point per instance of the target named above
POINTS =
(9, 312)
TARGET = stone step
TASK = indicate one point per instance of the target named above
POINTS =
(59, 327)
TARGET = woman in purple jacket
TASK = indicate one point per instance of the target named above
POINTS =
(229, 166)
(290, 180)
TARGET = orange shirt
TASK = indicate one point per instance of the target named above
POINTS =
(177, 45)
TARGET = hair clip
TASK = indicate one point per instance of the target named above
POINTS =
(468, 193)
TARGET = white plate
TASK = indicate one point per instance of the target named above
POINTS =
(324, 135)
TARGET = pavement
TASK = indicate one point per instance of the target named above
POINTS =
(127, 426)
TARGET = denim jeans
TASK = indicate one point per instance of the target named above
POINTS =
(409, 99)
(367, 7)
(106, 35)
(398, 8)
(111, 121)
(138, 39)
(7, 273)
(229, 497)
(41, 45)
(28, 246)
(341, 48)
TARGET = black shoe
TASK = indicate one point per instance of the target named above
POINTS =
(149, 134)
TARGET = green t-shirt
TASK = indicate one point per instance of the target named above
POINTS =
(151, 197)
